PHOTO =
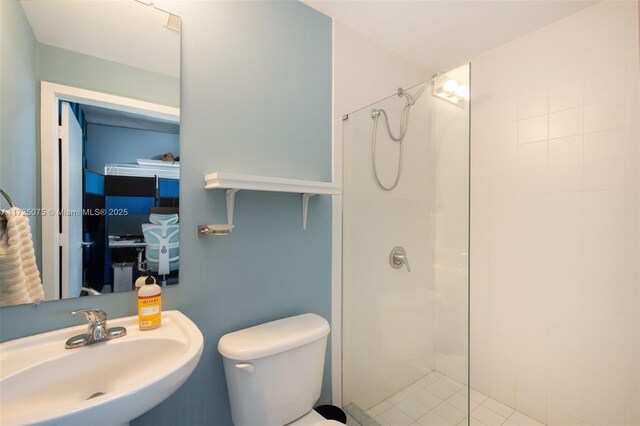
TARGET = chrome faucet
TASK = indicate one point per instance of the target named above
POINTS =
(97, 330)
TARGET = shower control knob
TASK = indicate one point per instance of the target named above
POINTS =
(398, 258)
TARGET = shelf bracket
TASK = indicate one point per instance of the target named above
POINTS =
(231, 201)
(305, 208)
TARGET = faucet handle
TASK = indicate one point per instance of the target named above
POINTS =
(92, 315)
(398, 258)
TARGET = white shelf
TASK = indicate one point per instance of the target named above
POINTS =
(220, 180)
(233, 182)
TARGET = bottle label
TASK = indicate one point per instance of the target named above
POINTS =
(149, 312)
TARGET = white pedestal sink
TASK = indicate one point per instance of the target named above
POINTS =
(41, 382)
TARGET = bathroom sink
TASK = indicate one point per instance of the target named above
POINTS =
(108, 383)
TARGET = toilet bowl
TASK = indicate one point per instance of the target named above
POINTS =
(274, 371)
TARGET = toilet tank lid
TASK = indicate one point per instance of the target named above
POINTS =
(273, 337)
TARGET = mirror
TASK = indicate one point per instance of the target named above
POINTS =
(89, 148)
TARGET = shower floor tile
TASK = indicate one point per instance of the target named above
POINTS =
(438, 400)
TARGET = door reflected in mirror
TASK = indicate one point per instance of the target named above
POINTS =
(90, 144)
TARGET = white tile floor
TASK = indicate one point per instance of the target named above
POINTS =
(437, 400)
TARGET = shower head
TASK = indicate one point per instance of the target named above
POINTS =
(410, 99)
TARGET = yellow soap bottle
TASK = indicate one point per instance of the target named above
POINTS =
(149, 305)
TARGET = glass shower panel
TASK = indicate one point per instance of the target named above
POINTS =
(405, 328)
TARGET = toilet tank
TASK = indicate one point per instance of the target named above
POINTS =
(274, 370)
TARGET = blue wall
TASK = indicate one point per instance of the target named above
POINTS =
(256, 99)
(106, 144)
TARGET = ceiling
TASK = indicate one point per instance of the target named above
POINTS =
(439, 35)
(435, 34)
(126, 32)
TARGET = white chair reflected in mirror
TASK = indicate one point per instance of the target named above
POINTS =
(162, 237)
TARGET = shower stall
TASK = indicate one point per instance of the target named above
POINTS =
(406, 254)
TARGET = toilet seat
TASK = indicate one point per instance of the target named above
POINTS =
(312, 418)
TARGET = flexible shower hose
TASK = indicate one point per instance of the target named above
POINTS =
(404, 123)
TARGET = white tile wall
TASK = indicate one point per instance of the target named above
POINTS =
(555, 307)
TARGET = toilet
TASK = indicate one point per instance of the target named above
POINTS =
(274, 372)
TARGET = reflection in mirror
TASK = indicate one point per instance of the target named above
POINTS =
(90, 151)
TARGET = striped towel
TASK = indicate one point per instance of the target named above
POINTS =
(19, 275)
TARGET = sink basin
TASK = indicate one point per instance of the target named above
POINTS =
(108, 383)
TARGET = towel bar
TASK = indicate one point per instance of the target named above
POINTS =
(6, 197)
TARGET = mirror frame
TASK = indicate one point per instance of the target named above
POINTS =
(50, 95)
